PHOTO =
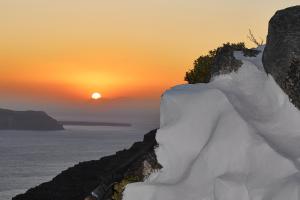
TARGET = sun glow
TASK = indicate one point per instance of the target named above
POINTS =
(96, 96)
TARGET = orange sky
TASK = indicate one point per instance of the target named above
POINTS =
(66, 49)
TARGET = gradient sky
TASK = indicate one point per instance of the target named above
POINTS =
(63, 50)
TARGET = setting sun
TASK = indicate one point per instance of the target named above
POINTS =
(96, 96)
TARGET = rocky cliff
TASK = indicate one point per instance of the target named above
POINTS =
(27, 120)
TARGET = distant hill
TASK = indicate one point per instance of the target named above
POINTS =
(86, 123)
(27, 120)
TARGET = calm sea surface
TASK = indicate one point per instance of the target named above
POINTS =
(28, 158)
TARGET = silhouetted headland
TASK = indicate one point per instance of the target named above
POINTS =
(27, 120)
(85, 123)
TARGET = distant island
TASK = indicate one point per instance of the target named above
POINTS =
(86, 123)
(40, 120)
(27, 120)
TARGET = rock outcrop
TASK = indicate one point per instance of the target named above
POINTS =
(281, 56)
(79, 181)
(27, 120)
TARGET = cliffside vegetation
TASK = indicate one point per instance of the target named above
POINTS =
(201, 70)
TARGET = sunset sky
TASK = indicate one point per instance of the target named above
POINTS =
(64, 50)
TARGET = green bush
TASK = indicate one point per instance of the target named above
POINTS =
(120, 186)
(201, 72)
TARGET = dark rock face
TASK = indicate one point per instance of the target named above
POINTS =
(281, 56)
(27, 120)
(79, 181)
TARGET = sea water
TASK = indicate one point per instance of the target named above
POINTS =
(28, 158)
